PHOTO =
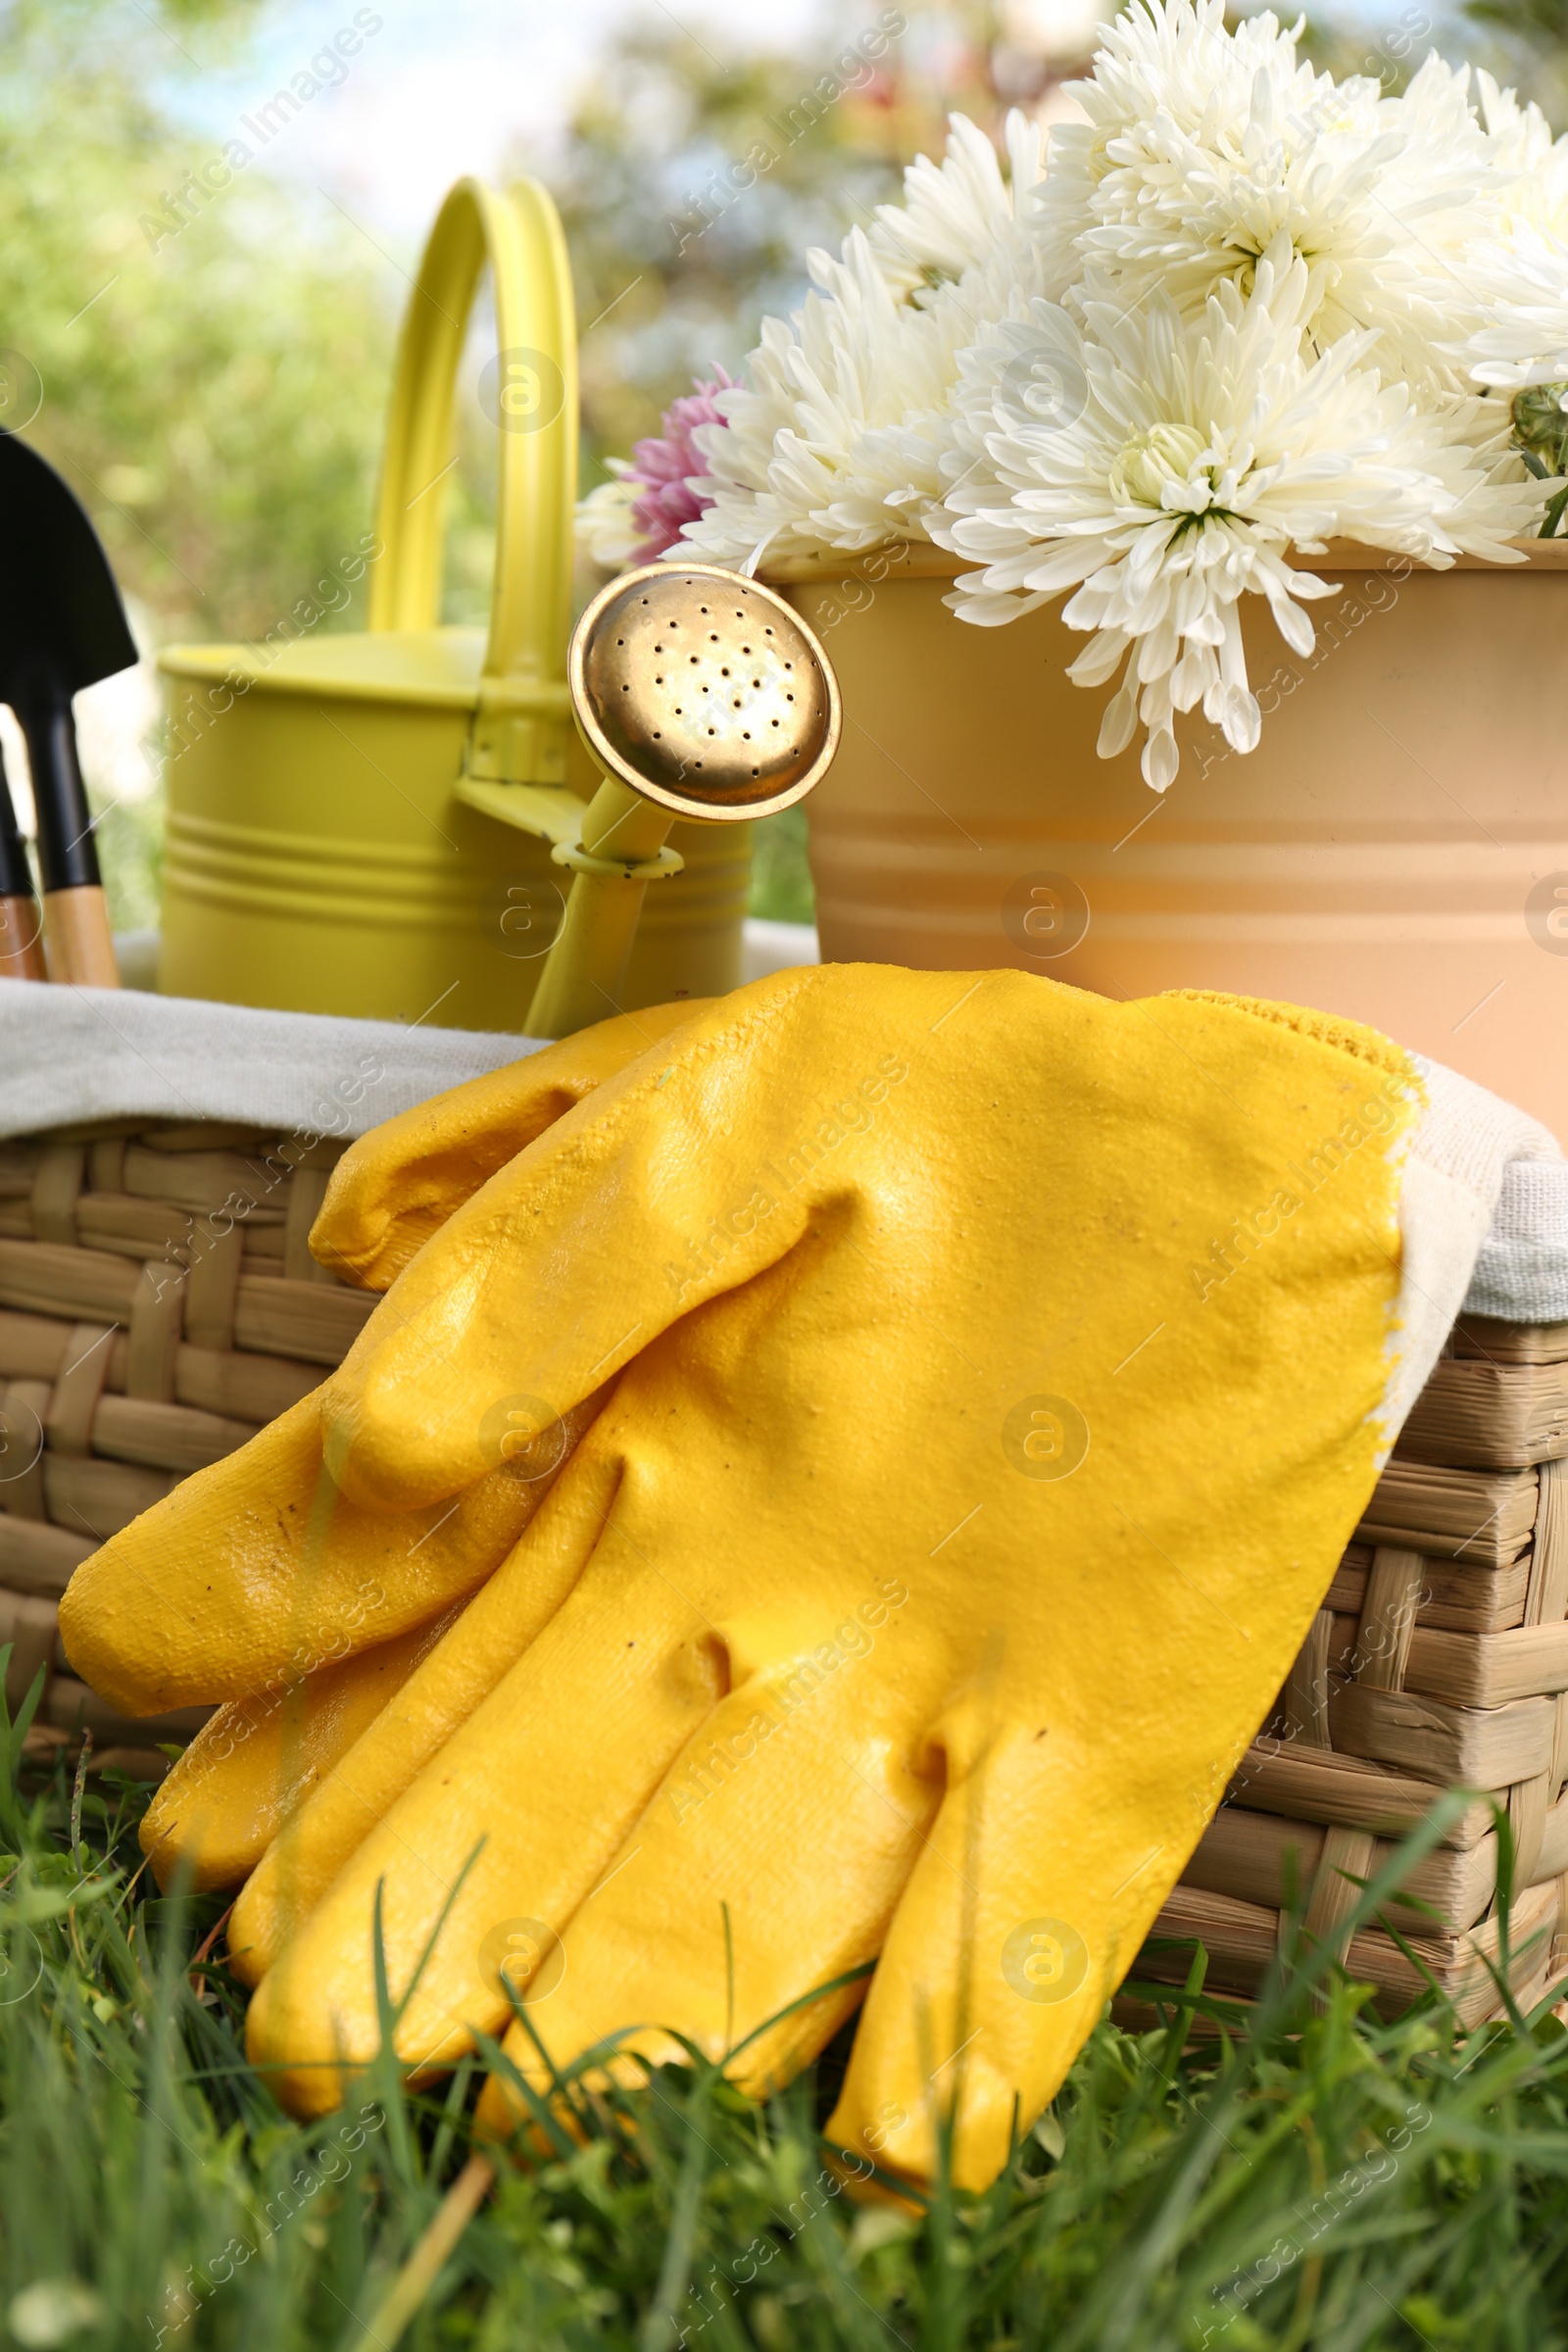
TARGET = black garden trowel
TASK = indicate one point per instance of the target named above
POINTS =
(61, 627)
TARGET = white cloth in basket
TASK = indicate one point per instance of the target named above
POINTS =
(68, 1054)
(1485, 1222)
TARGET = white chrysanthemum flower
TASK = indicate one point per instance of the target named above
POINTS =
(1205, 146)
(838, 440)
(1533, 164)
(1525, 338)
(605, 527)
(1520, 274)
(1244, 307)
(1164, 465)
(961, 213)
(1177, 67)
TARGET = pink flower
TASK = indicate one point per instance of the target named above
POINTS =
(668, 469)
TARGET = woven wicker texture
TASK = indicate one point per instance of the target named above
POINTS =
(158, 1304)
(1439, 1659)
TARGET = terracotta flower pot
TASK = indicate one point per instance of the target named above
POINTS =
(1395, 849)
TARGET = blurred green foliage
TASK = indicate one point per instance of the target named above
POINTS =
(675, 263)
(209, 376)
(212, 388)
(1526, 43)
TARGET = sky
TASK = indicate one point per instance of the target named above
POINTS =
(444, 87)
(447, 86)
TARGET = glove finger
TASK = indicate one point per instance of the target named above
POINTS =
(400, 1183)
(767, 1865)
(1021, 1919)
(540, 1800)
(697, 1167)
(453, 1681)
(254, 1762)
(256, 1570)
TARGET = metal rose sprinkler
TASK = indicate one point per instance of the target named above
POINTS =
(701, 695)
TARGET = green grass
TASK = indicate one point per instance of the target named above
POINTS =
(1311, 2177)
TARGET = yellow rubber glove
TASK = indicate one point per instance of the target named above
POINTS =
(949, 1530)
(358, 1790)
(257, 1577)
(254, 1572)
(255, 1762)
(400, 1183)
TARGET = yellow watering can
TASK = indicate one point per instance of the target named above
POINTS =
(363, 823)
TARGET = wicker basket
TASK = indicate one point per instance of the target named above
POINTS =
(1439, 1659)
(158, 1304)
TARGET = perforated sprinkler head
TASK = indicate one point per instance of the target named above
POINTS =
(703, 695)
(704, 692)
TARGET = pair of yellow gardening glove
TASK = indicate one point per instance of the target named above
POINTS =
(838, 1476)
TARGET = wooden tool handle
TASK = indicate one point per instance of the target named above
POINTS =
(81, 948)
(22, 940)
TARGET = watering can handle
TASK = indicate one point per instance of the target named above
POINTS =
(520, 726)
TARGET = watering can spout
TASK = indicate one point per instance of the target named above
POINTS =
(698, 695)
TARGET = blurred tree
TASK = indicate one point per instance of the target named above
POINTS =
(224, 15)
(205, 367)
(1528, 44)
(1523, 42)
(694, 180)
(210, 373)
